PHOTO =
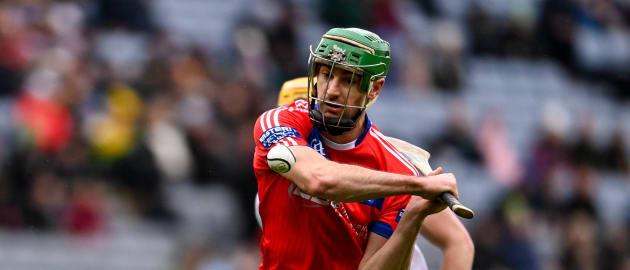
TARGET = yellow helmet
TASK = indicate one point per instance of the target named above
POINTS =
(293, 90)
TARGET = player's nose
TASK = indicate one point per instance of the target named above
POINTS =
(334, 89)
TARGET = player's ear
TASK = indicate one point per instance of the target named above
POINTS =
(377, 86)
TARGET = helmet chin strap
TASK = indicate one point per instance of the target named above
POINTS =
(333, 126)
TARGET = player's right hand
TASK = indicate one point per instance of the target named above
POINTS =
(437, 183)
(423, 207)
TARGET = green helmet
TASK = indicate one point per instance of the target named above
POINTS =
(356, 50)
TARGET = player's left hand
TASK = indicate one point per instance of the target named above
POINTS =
(423, 207)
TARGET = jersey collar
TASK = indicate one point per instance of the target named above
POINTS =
(352, 144)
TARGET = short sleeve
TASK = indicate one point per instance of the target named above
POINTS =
(284, 125)
(393, 209)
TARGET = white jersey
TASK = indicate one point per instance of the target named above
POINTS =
(417, 259)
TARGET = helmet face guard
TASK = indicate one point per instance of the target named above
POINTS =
(344, 49)
(345, 122)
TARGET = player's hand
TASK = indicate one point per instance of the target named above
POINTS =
(423, 207)
(437, 171)
(437, 183)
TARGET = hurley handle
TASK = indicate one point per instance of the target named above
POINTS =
(420, 159)
(457, 207)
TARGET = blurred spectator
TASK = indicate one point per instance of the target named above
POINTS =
(415, 69)
(236, 113)
(614, 156)
(114, 133)
(446, 56)
(9, 210)
(46, 201)
(508, 247)
(346, 13)
(616, 247)
(15, 48)
(241, 175)
(384, 19)
(167, 143)
(584, 150)
(428, 7)
(556, 30)
(602, 45)
(283, 44)
(508, 33)
(44, 123)
(581, 245)
(483, 31)
(487, 245)
(550, 150)
(137, 175)
(252, 48)
(583, 188)
(85, 214)
(549, 178)
(499, 157)
(456, 136)
(516, 247)
(129, 14)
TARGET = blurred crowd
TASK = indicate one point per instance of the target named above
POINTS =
(101, 111)
(587, 37)
(547, 215)
(104, 110)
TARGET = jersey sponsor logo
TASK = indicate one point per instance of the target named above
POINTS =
(315, 142)
(318, 146)
(318, 202)
(276, 134)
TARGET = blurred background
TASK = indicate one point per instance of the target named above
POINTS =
(126, 125)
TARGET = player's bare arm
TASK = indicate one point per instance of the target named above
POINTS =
(330, 180)
(442, 229)
(446, 232)
(395, 252)
(392, 253)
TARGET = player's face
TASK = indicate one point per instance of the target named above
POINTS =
(338, 87)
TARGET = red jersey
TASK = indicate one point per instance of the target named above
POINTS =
(305, 232)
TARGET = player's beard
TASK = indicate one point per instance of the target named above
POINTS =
(335, 119)
(334, 111)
